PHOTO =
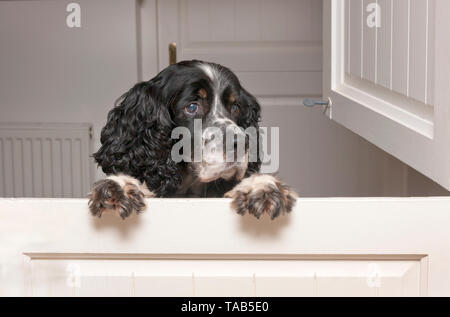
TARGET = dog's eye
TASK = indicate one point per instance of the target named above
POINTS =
(234, 109)
(192, 108)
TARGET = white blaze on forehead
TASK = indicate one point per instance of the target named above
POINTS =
(209, 71)
(216, 112)
(212, 74)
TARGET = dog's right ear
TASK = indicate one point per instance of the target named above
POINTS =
(136, 140)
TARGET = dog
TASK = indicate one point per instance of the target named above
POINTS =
(137, 144)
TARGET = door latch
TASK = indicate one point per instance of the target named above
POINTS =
(326, 104)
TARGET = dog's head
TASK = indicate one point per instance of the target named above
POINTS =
(206, 100)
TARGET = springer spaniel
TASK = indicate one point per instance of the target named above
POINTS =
(137, 151)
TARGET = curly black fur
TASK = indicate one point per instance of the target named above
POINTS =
(251, 118)
(136, 138)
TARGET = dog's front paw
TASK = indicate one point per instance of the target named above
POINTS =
(259, 194)
(110, 195)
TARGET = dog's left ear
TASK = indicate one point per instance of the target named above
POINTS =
(251, 110)
(250, 117)
(136, 140)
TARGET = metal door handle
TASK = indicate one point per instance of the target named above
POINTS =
(310, 103)
(315, 102)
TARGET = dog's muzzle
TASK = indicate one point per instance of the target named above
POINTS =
(224, 153)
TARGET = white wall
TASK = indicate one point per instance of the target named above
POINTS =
(51, 73)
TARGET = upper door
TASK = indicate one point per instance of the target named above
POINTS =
(387, 74)
(266, 42)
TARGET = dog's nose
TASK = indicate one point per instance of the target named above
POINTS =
(237, 143)
(228, 139)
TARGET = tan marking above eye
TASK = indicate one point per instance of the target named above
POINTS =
(232, 98)
(202, 93)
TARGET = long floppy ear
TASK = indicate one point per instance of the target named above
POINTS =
(251, 116)
(136, 140)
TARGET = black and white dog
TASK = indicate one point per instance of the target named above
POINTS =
(136, 151)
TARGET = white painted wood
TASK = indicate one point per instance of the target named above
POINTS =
(265, 42)
(431, 55)
(180, 276)
(384, 44)
(398, 54)
(400, 46)
(418, 49)
(61, 152)
(355, 23)
(399, 121)
(198, 247)
(369, 49)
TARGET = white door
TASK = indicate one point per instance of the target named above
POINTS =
(198, 247)
(387, 73)
(264, 42)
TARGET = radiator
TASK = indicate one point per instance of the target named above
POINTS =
(45, 159)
